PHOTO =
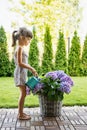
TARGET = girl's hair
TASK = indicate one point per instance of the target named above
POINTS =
(21, 32)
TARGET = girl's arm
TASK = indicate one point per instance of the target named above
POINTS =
(21, 64)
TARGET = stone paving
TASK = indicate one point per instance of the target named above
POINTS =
(72, 118)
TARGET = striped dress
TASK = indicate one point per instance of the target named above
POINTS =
(20, 74)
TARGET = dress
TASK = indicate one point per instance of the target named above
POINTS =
(20, 74)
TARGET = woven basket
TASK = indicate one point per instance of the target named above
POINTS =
(49, 108)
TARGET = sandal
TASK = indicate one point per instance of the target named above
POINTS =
(25, 114)
(24, 117)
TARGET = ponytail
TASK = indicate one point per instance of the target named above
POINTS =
(14, 38)
(22, 32)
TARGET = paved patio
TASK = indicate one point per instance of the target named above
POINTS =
(72, 118)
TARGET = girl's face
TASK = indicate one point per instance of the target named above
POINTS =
(27, 41)
(24, 41)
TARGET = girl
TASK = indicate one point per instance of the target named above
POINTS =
(23, 36)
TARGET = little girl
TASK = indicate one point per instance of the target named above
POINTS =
(23, 36)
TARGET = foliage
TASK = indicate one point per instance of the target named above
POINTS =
(60, 58)
(3, 39)
(84, 57)
(51, 12)
(47, 55)
(34, 52)
(4, 58)
(12, 67)
(53, 85)
(74, 56)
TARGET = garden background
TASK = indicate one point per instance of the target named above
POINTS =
(56, 45)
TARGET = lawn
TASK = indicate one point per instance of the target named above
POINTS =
(78, 95)
(9, 94)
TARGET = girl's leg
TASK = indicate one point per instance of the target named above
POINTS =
(21, 99)
(22, 96)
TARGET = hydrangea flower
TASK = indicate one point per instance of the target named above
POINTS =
(54, 84)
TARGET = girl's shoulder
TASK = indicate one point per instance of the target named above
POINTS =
(18, 48)
(22, 50)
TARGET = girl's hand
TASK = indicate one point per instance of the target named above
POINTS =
(34, 72)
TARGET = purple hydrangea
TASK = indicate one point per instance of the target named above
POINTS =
(38, 87)
(67, 79)
(28, 90)
(60, 74)
(61, 79)
(53, 75)
(65, 87)
(56, 74)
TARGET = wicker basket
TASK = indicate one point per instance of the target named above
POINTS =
(49, 108)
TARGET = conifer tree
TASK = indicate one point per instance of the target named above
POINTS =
(12, 67)
(84, 57)
(74, 56)
(3, 39)
(60, 57)
(34, 52)
(47, 54)
(4, 58)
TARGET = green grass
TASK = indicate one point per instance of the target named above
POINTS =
(9, 94)
(78, 95)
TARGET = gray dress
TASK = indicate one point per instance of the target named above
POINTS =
(20, 74)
